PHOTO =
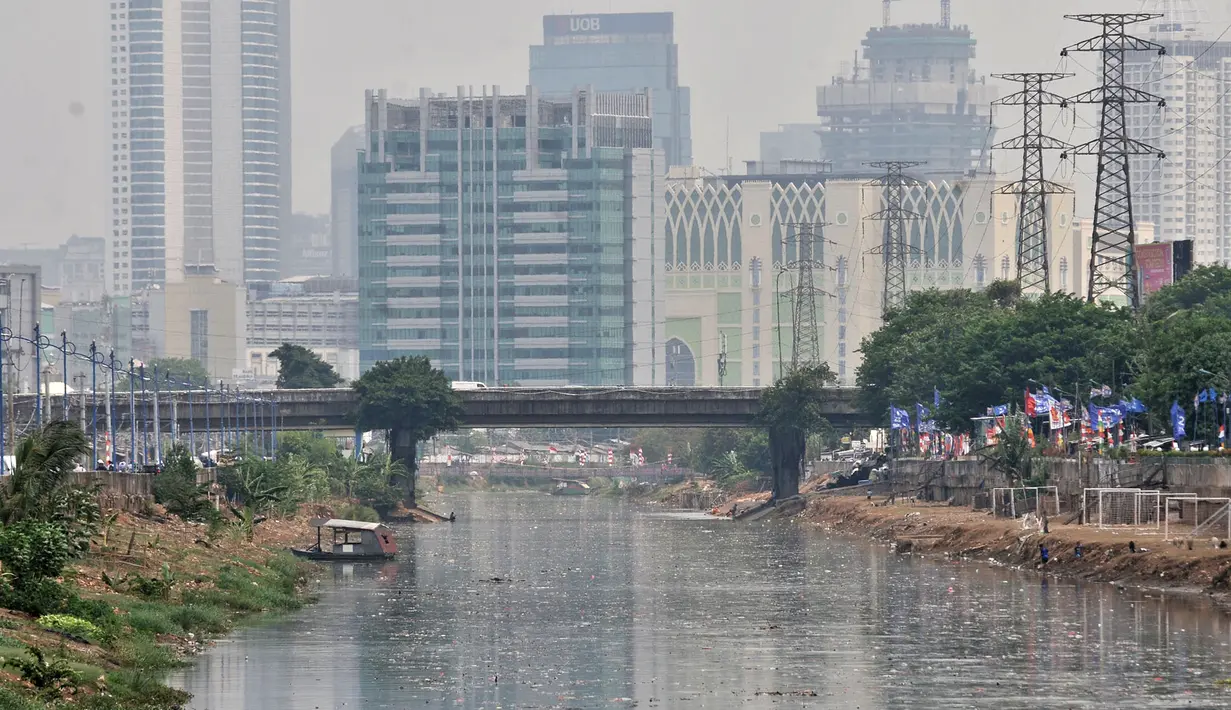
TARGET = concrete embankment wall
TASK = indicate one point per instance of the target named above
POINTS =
(962, 480)
(131, 492)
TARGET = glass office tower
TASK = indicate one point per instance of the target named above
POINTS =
(513, 239)
(619, 52)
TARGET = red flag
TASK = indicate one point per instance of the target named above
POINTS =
(1030, 437)
(1030, 404)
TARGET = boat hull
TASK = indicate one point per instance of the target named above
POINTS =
(570, 492)
(339, 557)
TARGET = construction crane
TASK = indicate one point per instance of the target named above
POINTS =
(946, 13)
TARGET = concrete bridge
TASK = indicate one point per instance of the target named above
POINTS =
(504, 407)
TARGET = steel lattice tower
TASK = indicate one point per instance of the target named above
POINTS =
(1112, 262)
(894, 215)
(1032, 251)
(808, 238)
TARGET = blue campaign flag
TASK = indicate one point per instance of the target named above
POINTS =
(936, 397)
(1136, 406)
(1204, 396)
(1105, 417)
(921, 417)
(1177, 421)
(898, 418)
(998, 411)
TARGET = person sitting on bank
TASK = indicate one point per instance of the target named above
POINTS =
(1077, 551)
(1043, 554)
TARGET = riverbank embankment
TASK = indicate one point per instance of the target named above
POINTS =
(151, 592)
(944, 530)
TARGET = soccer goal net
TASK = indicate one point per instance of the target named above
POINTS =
(1193, 517)
(1123, 507)
(1016, 502)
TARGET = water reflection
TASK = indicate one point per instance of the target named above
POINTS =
(610, 605)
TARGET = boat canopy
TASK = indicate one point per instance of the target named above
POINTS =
(338, 524)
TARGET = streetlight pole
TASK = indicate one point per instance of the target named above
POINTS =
(94, 404)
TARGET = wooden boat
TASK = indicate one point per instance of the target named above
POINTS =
(349, 541)
(570, 487)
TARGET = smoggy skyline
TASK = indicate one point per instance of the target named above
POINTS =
(751, 66)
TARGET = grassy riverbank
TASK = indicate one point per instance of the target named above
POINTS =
(150, 593)
(961, 532)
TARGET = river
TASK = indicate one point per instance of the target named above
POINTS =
(613, 604)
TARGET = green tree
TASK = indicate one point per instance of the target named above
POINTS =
(378, 482)
(412, 402)
(182, 369)
(177, 489)
(43, 472)
(300, 368)
(791, 411)
(981, 349)
(1204, 286)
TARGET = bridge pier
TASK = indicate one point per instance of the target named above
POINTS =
(404, 448)
(786, 450)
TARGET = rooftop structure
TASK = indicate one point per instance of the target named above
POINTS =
(914, 96)
(619, 52)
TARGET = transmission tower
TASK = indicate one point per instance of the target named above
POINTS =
(808, 238)
(1033, 189)
(894, 247)
(1112, 262)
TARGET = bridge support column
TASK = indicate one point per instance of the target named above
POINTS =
(786, 451)
(404, 448)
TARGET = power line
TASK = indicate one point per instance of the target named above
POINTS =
(1112, 261)
(1032, 189)
(894, 215)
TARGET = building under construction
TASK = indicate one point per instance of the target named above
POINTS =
(913, 96)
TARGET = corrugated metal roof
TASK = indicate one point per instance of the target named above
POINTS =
(348, 524)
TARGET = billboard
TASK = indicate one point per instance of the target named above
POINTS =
(1154, 266)
(609, 24)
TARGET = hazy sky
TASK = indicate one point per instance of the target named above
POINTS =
(754, 63)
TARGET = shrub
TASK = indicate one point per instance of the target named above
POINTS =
(354, 511)
(142, 652)
(33, 551)
(199, 618)
(142, 689)
(10, 700)
(50, 676)
(176, 488)
(44, 596)
(152, 621)
(145, 587)
(71, 625)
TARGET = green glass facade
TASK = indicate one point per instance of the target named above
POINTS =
(502, 245)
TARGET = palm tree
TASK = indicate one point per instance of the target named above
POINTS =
(42, 473)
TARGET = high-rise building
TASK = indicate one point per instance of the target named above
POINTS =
(81, 269)
(200, 139)
(513, 238)
(619, 52)
(914, 96)
(792, 142)
(1184, 193)
(344, 202)
(307, 246)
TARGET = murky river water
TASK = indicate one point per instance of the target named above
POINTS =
(612, 605)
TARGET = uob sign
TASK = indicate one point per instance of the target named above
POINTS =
(584, 24)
